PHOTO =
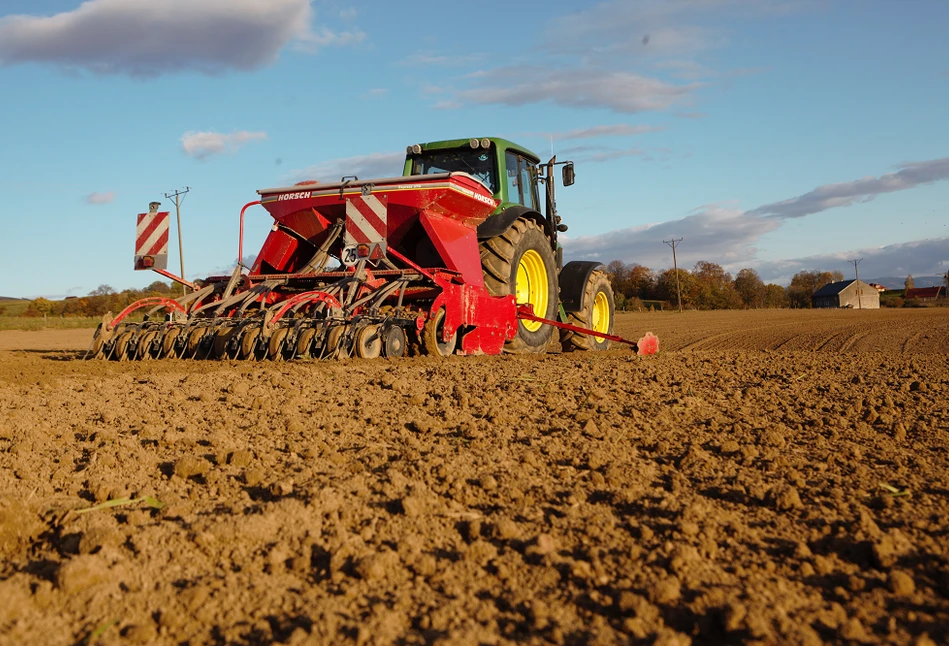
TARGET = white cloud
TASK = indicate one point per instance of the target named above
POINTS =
(617, 130)
(612, 155)
(918, 257)
(202, 145)
(828, 196)
(727, 235)
(314, 40)
(717, 232)
(373, 165)
(642, 28)
(140, 38)
(623, 92)
(617, 55)
(653, 28)
(442, 60)
(99, 198)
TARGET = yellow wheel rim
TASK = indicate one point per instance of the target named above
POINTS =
(531, 286)
(601, 314)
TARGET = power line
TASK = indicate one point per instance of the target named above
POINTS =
(179, 198)
(675, 265)
(857, 274)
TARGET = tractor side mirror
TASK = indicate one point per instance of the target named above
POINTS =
(568, 175)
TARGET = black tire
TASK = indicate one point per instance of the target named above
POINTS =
(432, 343)
(596, 287)
(500, 257)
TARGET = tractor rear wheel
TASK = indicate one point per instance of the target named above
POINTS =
(596, 313)
(520, 261)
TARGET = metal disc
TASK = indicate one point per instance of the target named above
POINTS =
(395, 342)
(432, 342)
(168, 343)
(304, 341)
(144, 350)
(249, 342)
(95, 351)
(368, 342)
(120, 349)
(275, 347)
(193, 342)
(221, 337)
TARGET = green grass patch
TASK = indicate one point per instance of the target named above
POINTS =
(13, 308)
(49, 323)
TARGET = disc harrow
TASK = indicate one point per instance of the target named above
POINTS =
(340, 314)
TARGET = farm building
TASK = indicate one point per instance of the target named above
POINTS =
(926, 293)
(847, 293)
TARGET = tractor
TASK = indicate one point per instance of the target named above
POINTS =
(454, 256)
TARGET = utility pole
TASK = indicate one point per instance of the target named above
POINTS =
(675, 265)
(179, 198)
(857, 274)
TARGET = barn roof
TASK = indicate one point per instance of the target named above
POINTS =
(925, 292)
(832, 289)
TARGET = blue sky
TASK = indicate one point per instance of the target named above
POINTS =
(775, 134)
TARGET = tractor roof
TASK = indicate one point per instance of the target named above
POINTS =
(503, 144)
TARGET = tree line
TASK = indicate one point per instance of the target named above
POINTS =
(96, 303)
(706, 287)
(709, 287)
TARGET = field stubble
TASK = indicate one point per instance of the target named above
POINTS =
(768, 477)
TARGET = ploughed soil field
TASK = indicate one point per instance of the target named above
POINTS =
(768, 477)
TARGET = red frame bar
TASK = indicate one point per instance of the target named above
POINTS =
(410, 263)
(177, 279)
(240, 241)
(526, 312)
(319, 297)
(146, 302)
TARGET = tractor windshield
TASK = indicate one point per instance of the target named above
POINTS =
(478, 163)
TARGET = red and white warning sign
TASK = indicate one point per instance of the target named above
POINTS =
(151, 240)
(366, 229)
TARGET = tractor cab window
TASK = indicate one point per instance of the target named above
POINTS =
(521, 186)
(478, 163)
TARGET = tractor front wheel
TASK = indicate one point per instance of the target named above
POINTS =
(520, 261)
(596, 313)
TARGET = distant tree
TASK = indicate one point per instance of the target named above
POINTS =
(642, 282)
(632, 281)
(775, 296)
(666, 287)
(102, 290)
(909, 283)
(750, 288)
(713, 288)
(41, 306)
(618, 274)
(158, 287)
(828, 277)
(805, 283)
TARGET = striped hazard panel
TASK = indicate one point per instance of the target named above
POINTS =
(366, 228)
(151, 240)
